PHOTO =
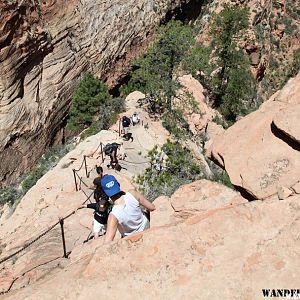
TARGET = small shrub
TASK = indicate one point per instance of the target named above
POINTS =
(9, 195)
(176, 124)
(219, 175)
(181, 168)
(47, 162)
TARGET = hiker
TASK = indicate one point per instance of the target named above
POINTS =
(127, 214)
(125, 124)
(135, 119)
(101, 207)
(159, 161)
(101, 212)
(111, 150)
(97, 181)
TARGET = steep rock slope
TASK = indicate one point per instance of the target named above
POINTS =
(55, 196)
(261, 152)
(205, 241)
(230, 252)
(45, 47)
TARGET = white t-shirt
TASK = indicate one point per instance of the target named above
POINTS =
(130, 216)
(135, 119)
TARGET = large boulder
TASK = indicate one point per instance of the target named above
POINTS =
(261, 151)
(202, 195)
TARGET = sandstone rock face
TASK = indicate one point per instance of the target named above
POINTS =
(212, 254)
(201, 196)
(261, 151)
(197, 119)
(205, 241)
(45, 48)
(287, 124)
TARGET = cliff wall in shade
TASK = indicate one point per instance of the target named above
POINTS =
(45, 47)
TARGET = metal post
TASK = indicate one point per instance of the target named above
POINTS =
(85, 166)
(61, 222)
(74, 173)
(119, 127)
(102, 153)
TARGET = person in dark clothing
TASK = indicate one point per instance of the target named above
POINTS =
(125, 124)
(111, 150)
(100, 217)
(101, 207)
(98, 191)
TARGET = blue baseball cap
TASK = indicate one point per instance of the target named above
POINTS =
(110, 185)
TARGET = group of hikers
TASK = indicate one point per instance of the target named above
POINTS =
(112, 149)
(114, 209)
(134, 120)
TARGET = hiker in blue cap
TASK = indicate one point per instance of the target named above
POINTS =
(127, 214)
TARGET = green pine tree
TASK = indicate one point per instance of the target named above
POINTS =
(154, 71)
(90, 95)
(234, 86)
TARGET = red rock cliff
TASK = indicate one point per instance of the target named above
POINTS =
(45, 47)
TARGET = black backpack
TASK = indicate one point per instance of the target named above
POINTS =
(125, 121)
(109, 148)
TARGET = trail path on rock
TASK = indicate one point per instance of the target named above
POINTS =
(54, 196)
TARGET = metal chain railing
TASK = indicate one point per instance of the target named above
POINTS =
(75, 171)
(61, 220)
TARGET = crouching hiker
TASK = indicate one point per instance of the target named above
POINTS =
(127, 214)
(101, 212)
(111, 150)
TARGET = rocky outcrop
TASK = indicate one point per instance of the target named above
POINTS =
(195, 107)
(213, 253)
(261, 152)
(45, 48)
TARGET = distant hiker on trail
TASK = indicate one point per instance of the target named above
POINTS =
(135, 119)
(101, 207)
(111, 150)
(125, 124)
(159, 161)
(127, 214)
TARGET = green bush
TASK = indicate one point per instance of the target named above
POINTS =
(295, 66)
(176, 124)
(88, 99)
(198, 63)
(9, 195)
(181, 168)
(219, 175)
